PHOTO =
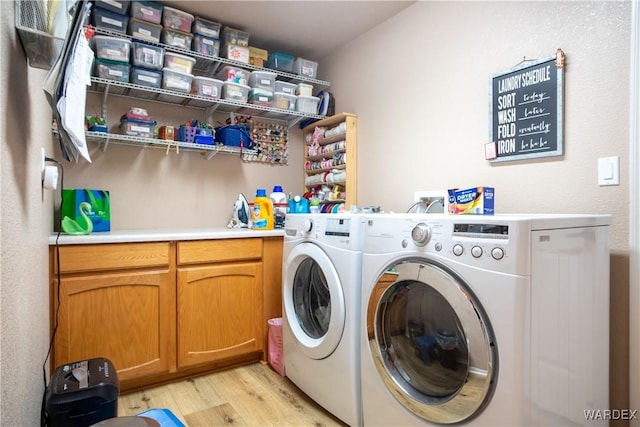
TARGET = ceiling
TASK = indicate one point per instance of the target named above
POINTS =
(311, 29)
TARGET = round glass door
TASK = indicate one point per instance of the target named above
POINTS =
(432, 344)
(313, 301)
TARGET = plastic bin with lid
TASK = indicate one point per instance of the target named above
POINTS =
(113, 48)
(102, 18)
(147, 55)
(206, 86)
(260, 96)
(229, 73)
(149, 11)
(235, 52)
(285, 87)
(146, 77)
(307, 104)
(284, 101)
(304, 89)
(205, 45)
(235, 36)
(117, 6)
(304, 67)
(280, 61)
(177, 62)
(112, 70)
(144, 30)
(177, 38)
(235, 91)
(260, 79)
(176, 80)
(177, 19)
(206, 28)
(137, 127)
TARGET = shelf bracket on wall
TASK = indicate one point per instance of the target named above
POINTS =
(103, 107)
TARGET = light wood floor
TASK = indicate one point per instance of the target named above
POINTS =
(253, 395)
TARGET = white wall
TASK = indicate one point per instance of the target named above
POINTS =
(25, 224)
(419, 83)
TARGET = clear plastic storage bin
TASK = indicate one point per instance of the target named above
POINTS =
(280, 61)
(235, 91)
(176, 80)
(113, 48)
(144, 30)
(147, 56)
(307, 104)
(149, 11)
(260, 97)
(177, 62)
(146, 77)
(102, 18)
(285, 87)
(284, 101)
(234, 36)
(205, 45)
(304, 67)
(205, 86)
(143, 128)
(177, 19)
(117, 6)
(177, 39)
(263, 80)
(112, 70)
(232, 74)
(206, 28)
(304, 89)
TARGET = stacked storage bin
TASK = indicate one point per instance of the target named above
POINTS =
(145, 21)
(236, 45)
(206, 35)
(176, 29)
(112, 58)
(262, 84)
(235, 85)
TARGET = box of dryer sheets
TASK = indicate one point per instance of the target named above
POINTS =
(476, 200)
(94, 203)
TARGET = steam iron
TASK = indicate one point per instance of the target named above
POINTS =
(241, 213)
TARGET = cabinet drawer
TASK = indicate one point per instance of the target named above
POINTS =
(78, 258)
(203, 251)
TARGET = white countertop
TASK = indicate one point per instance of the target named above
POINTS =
(161, 235)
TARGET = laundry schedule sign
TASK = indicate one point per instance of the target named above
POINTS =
(526, 111)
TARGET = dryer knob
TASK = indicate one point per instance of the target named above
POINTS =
(476, 251)
(421, 234)
(307, 225)
(458, 250)
(497, 253)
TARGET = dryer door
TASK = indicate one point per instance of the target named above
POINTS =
(313, 300)
(431, 342)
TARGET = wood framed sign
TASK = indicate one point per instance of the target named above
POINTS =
(526, 111)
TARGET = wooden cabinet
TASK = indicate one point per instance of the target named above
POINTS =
(165, 310)
(330, 160)
(116, 301)
(219, 300)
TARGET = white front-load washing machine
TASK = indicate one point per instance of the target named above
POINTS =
(485, 320)
(321, 309)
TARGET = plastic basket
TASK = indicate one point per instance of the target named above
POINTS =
(234, 136)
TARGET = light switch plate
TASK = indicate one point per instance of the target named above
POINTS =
(609, 171)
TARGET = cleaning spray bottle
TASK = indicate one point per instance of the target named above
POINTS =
(262, 211)
(280, 206)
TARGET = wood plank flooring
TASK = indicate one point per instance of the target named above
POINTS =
(252, 395)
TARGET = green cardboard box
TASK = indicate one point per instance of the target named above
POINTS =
(96, 207)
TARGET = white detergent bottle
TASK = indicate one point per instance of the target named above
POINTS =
(280, 206)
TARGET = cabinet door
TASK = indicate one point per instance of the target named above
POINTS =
(126, 317)
(219, 312)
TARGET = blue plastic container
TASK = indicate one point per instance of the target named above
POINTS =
(234, 136)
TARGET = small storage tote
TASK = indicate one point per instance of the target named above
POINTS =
(285, 87)
(176, 80)
(177, 62)
(205, 86)
(176, 19)
(147, 56)
(144, 30)
(233, 74)
(149, 11)
(112, 70)
(146, 77)
(304, 67)
(234, 36)
(263, 80)
(113, 48)
(280, 61)
(260, 97)
(177, 38)
(205, 45)
(307, 104)
(206, 28)
(118, 6)
(235, 91)
(284, 101)
(102, 18)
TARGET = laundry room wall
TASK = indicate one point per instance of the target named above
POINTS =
(419, 83)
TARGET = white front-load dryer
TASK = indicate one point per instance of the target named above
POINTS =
(321, 309)
(484, 320)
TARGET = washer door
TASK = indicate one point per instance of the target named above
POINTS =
(431, 342)
(313, 300)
